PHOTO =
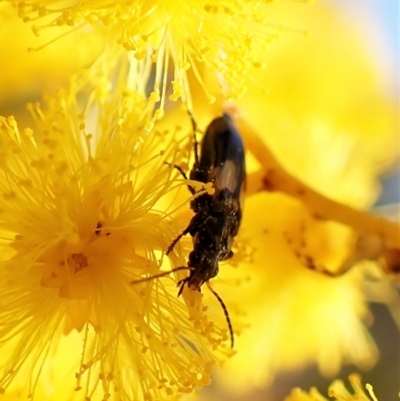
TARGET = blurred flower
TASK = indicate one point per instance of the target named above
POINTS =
(296, 316)
(228, 37)
(83, 214)
(336, 139)
(31, 65)
(337, 392)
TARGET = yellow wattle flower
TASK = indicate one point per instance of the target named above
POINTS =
(227, 37)
(337, 392)
(83, 214)
(27, 74)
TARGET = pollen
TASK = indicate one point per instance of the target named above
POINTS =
(84, 214)
(338, 391)
(228, 37)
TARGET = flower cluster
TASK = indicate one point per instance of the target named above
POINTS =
(228, 38)
(84, 213)
(92, 195)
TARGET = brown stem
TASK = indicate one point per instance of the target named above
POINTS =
(273, 177)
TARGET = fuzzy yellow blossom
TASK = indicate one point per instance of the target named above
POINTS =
(227, 37)
(26, 74)
(82, 215)
(337, 392)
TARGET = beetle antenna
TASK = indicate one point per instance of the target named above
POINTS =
(163, 274)
(225, 309)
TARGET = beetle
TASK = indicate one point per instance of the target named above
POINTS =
(217, 216)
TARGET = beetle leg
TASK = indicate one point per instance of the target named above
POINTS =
(191, 229)
(181, 284)
(190, 188)
(196, 144)
(175, 241)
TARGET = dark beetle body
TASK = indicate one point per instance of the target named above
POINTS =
(217, 217)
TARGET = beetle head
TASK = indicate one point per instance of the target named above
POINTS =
(203, 268)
